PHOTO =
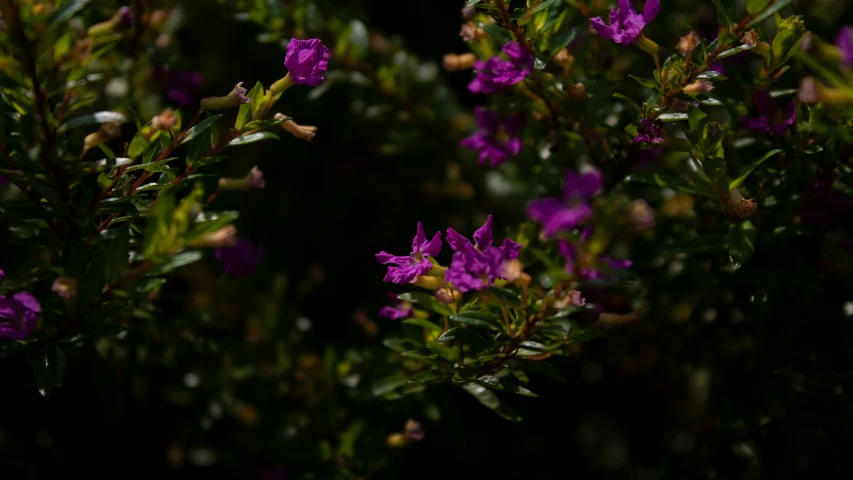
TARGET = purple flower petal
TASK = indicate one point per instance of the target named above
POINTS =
(483, 236)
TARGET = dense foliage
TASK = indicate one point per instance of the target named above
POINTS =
(638, 214)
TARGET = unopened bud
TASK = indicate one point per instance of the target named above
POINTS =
(572, 298)
(224, 237)
(302, 132)
(397, 440)
(641, 215)
(165, 121)
(471, 32)
(253, 180)
(448, 296)
(750, 38)
(235, 98)
(810, 90)
(467, 13)
(743, 208)
(65, 287)
(414, 431)
(763, 49)
(564, 59)
(688, 43)
(453, 62)
(577, 92)
(107, 132)
(699, 86)
(122, 19)
(512, 270)
(427, 281)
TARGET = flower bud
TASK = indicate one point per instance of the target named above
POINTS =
(572, 298)
(121, 20)
(107, 132)
(427, 281)
(397, 440)
(564, 59)
(512, 270)
(743, 207)
(235, 98)
(577, 92)
(302, 132)
(750, 38)
(468, 13)
(165, 121)
(453, 62)
(224, 237)
(687, 44)
(448, 296)
(641, 215)
(699, 86)
(471, 32)
(253, 180)
(65, 287)
(414, 431)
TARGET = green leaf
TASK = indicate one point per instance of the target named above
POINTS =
(432, 376)
(650, 84)
(712, 75)
(477, 319)
(175, 261)
(256, 124)
(536, 366)
(92, 119)
(734, 51)
(422, 353)
(66, 11)
(749, 168)
(501, 35)
(741, 243)
(202, 162)
(715, 167)
(467, 336)
(491, 401)
(725, 11)
(633, 104)
(779, 5)
(156, 238)
(756, 6)
(426, 301)
(200, 128)
(252, 138)
(696, 118)
(422, 322)
(49, 368)
(496, 383)
(244, 114)
(672, 117)
(117, 254)
(198, 146)
(559, 42)
(387, 384)
(258, 100)
(662, 180)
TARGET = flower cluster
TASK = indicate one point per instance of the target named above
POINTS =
(495, 74)
(558, 215)
(494, 141)
(19, 314)
(626, 25)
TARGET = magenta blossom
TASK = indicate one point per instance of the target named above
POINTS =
(649, 132)
(240, 260)
(494, 140)
(18, 315)
(306, 61)
(844, 41)
(404, 269)
(126, 16)
(477, 266)
(625, 23)
(557, 215)
(771, 120)
(581, 263)
(495, 74)
(398, 309)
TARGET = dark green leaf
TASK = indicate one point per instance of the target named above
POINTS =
(741, 243)
(92, 119)
(662, 180)
(252, 138)
(536, 366)
(502, 36)
(778, 5)
(715, 167)
(706, 243)
(490, 400)
(198, 146)
(477, 319)
(734, 51)
(502, 384)
(749, 168)
(66, 11)
(175, 261)
(756, 6)
(200, 128)
(49, 368)
(422, 322)
(696, 118)
(672, 117)
(432, 376)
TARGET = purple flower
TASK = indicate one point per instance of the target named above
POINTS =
(557, 215)
(580, 262)
(18, 315)
(255, 178)
(844, 41)
(772, 119)
(306, 61)
(625, 23)
(493, 140)
(495, 74)
(398, 309)
(404, 269)
(240, 260)
(649, 132)
(126, 16)
(476, 266)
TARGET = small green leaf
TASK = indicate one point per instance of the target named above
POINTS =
(662, 180)
(207, 161)
(741, 243)
(200, 128)
(49, 368)
(432, 376)
(734, 51)
(198, 146)
(477, 319)
(422, 322)
(779, 5)
(752, 166)
(715, 167)
(426, 301)
(756, 6)
(490, 400)
(502, 384)
(92, 119)
(650, 84)
(696, 118)
(536, 366)
(712, 75)
(500, 34)
(252, 138)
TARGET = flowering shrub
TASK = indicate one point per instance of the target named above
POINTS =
(681, 209)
